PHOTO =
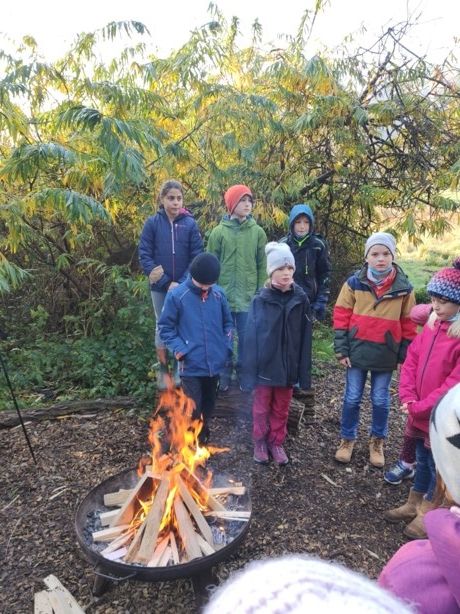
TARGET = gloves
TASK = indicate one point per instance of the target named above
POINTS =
(319, 311)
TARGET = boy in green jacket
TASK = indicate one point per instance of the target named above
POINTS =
(239, 244)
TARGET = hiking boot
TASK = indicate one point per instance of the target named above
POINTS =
(278, 454)
(416, 528)
(376, 457)
(398, 473)
(345, 450)
(408, 510)
(261, 452)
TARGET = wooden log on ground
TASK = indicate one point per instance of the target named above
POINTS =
(61, 600)
(42, 604)
(9, 419)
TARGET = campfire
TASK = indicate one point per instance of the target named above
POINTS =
(173, 514)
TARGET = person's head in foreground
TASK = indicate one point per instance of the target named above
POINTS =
(300, 584)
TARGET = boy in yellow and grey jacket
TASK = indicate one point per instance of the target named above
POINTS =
(372, 332)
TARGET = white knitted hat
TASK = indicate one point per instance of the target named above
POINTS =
(381, 238)
(445, 440)
(278, 256)
(300, 584)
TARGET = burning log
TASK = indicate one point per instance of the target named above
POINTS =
(195, 512)
(144, 542)
(186, 530)
(131, 505)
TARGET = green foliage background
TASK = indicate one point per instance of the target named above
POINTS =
(369, 138)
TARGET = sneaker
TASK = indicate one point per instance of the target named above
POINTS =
(261, 452)
(278, 454)
(224, 383)
(345, 450)
(398, 473)
(376, 456)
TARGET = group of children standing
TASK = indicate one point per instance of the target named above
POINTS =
(269, 294)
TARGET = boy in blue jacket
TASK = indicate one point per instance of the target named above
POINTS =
(311, 254)
(196, 326)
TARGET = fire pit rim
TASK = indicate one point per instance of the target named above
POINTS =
(125, 571)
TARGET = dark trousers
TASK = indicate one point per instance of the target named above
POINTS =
(203, 391)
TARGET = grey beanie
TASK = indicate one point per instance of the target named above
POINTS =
(278, 256)
(381, 238)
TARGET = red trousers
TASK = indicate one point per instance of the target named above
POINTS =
(270, 410)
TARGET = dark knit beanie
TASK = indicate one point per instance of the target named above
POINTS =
(205, 268)
(446, 283)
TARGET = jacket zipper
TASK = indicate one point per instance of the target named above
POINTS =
(428, 355)
(173, 247)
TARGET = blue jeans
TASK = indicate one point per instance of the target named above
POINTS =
(425, 471)
(380, 397)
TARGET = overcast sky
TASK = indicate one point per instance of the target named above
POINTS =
(54, 24)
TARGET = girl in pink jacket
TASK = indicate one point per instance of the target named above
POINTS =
(431, 368)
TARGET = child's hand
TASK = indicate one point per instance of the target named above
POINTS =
(404, 408)
(172, 285)
(345, 361)
(156, 274)
(179, 356)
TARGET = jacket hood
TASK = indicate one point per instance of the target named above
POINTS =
(299, 210)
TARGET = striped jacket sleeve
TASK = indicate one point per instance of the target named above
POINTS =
(343, 310)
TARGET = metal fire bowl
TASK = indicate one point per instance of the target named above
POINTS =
(94, 501)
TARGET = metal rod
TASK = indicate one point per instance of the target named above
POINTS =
(15, 403)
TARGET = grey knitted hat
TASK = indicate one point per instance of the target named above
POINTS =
(278, 256)
(381, 238)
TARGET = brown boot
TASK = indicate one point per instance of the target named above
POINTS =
(345, 450)
(405, 512)
(416, 528)
(376, 456)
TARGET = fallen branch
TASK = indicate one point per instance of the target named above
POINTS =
(10, 419)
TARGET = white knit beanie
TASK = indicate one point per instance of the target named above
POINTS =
(301, 584)
(278, 256)
(445, 440)
(381, 238)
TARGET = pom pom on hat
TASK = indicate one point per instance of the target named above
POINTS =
(419, 314)
(279, 255)
(445, 440)
(205, 268)
(234, 194)
(446, 283)
(381, 238)
(299, 584)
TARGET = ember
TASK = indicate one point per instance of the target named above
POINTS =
(172, 515)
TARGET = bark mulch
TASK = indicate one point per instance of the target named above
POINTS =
(313, 505)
